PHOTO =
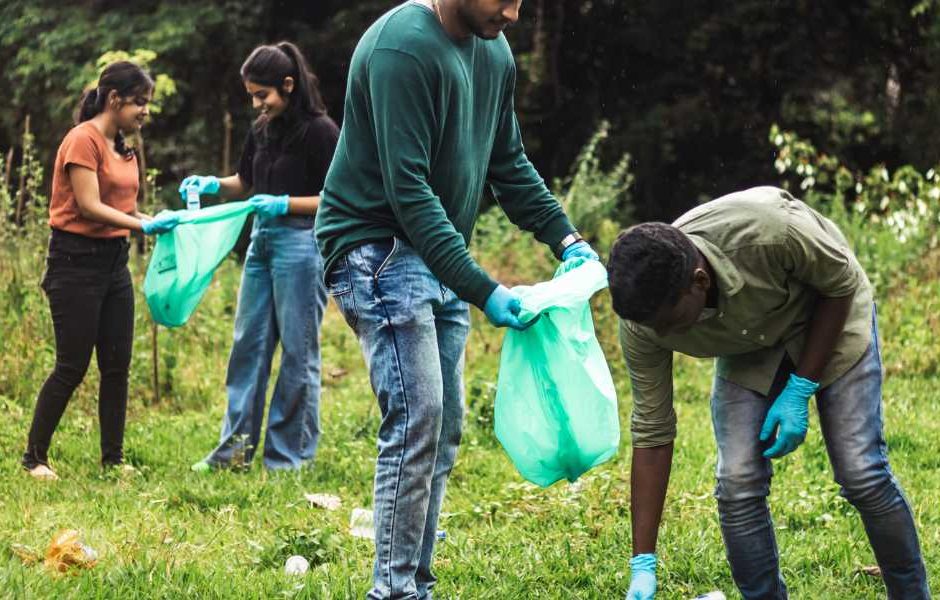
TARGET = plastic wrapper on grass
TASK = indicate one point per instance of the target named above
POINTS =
(67, 553)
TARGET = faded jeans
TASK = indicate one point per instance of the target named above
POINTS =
(850, 416)
(281, 299)
(412, 331)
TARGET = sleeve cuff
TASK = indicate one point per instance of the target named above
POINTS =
(554, 231)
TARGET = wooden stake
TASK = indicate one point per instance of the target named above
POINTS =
(143, 196)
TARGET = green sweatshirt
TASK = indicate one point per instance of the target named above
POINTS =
(428, 122)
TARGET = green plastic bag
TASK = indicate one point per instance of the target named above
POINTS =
(556, 406)
(185, 258)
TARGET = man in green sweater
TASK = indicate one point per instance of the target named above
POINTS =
(428, 123)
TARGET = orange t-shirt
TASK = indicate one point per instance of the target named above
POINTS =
(118, 182)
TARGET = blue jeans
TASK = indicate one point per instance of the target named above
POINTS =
(413, 331)
(281, 299)
(851, 420)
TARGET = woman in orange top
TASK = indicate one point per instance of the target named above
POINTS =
(92, 209)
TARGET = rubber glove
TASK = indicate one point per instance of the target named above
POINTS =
(791, 412)
(268, 206)
(160, 224)
(502, 309)
(642, 577)
(579, 249)
(204, 184)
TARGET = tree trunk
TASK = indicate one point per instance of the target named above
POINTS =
(227, 143)
(21, 192)
(9, 169)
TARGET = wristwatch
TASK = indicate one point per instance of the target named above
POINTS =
(572, 238)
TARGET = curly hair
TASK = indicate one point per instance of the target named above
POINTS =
(650, 265)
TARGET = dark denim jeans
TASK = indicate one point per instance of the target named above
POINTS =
(852, 426)
(413, 331)
(281, 299)
(91, 298)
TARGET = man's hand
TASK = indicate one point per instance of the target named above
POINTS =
(579, 249)
(642, 577)
(790, 411)
(502, 309)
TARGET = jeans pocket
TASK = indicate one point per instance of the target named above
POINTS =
(338, 279)
(378, 255)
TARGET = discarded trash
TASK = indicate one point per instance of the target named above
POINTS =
(327, 501)
(441, 535)
(361, 524)
(872, 571)
(28, 555)
(66, 551)
(296, 565)
(716, 595)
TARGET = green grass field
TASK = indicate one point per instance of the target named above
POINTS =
(165, 532)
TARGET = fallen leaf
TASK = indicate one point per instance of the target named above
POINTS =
(327, 501)
(337, 373)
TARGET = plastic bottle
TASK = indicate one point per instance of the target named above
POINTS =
(192, 199)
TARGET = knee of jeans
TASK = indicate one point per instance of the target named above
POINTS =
(70, 374)
(111, 367)
(743, 511)
(876, 493)
(736, 485)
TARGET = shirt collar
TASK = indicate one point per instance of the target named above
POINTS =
(729, 278)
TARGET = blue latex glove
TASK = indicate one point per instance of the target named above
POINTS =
(204, 184)
(579, 249)
(642, 577)
(791, 412)
(502, 309)
(160, 224)
(268, 206)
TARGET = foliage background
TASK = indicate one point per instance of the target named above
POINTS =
(690, 88)
(633, 111)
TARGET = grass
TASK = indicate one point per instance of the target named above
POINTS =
(165, 532)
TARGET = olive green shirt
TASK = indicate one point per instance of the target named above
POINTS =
(773, 256)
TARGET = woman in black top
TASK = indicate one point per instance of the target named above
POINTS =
(282, 297)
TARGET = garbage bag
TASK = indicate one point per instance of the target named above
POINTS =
(556, 407)
(185, 258)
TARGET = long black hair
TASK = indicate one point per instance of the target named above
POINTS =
(125, 78)
(269, 65)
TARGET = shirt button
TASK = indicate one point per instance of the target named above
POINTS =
(744, 332)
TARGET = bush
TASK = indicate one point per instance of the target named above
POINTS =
(890, 218)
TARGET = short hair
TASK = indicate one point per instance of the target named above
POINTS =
(650, 265)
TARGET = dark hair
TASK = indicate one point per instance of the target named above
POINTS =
(269, 65)
(650, 265)
(126, 79)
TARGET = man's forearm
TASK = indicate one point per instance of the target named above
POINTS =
(825, 327)
(649, 478)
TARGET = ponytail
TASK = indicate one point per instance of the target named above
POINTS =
(126, 79)
(89, 106)
(307, 84)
